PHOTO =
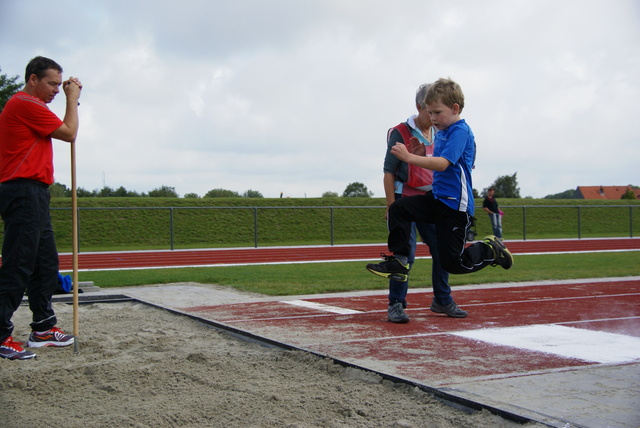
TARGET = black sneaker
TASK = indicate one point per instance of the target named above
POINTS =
(396, 313)
(451, 309)
(14, 351)
(501, 256)
(390, 268)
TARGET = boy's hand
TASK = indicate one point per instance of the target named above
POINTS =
(400, 151)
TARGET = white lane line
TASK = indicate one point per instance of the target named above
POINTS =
(569, 342)
(321, 307)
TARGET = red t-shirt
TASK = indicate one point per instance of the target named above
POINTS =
(26, 124)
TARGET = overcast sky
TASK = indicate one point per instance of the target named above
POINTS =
(296, 96)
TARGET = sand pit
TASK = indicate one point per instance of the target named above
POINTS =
(140, 366)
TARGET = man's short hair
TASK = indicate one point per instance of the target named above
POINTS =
(39, 66)
(447, 92)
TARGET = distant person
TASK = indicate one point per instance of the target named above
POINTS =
(450, 204)
(29, 255)
(490, 205)
(402, 179)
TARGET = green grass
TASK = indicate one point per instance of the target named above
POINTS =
(145, 223)
(312, 278)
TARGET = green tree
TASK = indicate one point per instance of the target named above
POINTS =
(356, 190)
(59, 190)
(329, 195)
(164, 192)
(105, 192)
(84, 193)
(221, 193)
(506, 186)
(252, 194)
(191, 196)
(120, 192)
(628, 194)
(8, 87)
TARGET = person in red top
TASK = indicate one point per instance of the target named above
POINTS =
(29, 254)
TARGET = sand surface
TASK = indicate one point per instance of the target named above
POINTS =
(140, 366)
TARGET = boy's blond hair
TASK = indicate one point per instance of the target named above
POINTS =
(445, 91)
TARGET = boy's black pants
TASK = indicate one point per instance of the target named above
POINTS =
(451, 233)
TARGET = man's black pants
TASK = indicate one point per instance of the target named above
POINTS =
(29, 254)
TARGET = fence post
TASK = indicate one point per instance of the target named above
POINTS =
(630, 221)
(255, 227)
(78, 228)
(524, 223)
(579, 225)
(171, 227)
(331, 224)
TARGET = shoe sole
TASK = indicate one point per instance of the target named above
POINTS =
(25, 357)
(401, 321)
(46, 344)
(402, 277)
(509, 257)
(28, 356)
(503, 250)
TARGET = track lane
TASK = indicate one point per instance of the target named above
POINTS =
(234, 256)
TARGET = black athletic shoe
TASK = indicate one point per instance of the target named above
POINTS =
(390, 268)
(396, 313)
(451, 309)
(501, 256)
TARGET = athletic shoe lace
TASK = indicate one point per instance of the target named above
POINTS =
(57, 333)
(12, 344)
(386, 258)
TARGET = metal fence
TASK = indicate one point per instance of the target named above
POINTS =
(205, 227)
(225, 226)
(579, 220)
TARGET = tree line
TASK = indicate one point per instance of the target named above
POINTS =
(59, 190)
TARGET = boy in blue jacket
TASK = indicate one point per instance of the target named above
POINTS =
(450, 204)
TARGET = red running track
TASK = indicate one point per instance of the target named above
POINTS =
(364, 336)
(240, 256)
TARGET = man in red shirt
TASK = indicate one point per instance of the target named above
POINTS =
(29, 254)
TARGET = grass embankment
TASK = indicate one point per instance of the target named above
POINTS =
(146, 223)
(238, 222)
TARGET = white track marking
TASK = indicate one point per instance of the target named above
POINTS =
(321, 307)
(568, 342)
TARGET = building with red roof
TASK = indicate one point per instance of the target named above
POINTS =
(604, 192)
